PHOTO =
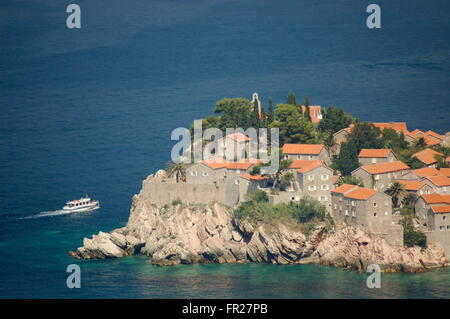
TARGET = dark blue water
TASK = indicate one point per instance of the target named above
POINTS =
(91, 110)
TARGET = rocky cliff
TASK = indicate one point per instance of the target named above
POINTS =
(185, 234)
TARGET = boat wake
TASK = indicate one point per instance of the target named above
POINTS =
(48, 214)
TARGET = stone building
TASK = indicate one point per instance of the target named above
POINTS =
(427, 157)
(249, 182)
(206, 172)
(366, 209)
(440, 184)
(380, 176)
(306, 152)
(316, 181)
(374, 156)
(433, 212)
(416, 187)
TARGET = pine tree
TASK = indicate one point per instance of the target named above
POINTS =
(307, 110)
(270, 114)
(291, 99)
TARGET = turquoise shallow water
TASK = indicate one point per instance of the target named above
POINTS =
(92, 110)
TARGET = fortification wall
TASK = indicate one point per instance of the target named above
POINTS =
(163, 193)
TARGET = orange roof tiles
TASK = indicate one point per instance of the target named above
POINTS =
(441, 209)
(344, 188)
(444, 172)
(310, 167)
(369, 152)
(220, 163)
(253, 177)
(426, 171)
(310, 149)
(239, 137)
(385, 167)
(431, 141)
(437, 135)
(411, 185)
(427, 156)
(397, 126)
(243, 164)
(314, 111)
(297, 164)
(436, 198)
(361, 193)
(440, 181)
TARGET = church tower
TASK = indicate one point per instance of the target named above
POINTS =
(255, 97)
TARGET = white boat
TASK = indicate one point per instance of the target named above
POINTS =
(83, 204)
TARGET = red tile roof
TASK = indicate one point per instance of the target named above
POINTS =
(297, 164)
(429, 141)
(440, 181)
(436, 198)
(309, 149)
(411, 185)
(344, 188)
(385, 167)
(314, 111)
(426, 171)
(361, 193)
(219, 163)
(444, 172)
(440, 209)
(427, 156)
(239, 137)
(253, 177)
(370, 152)
(243, 164)
(397, 126)
(309, 168)
(437, 135)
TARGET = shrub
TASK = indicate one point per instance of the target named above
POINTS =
(176, 202)
(257, 195)
(413, 237)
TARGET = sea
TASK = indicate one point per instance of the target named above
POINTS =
(91, 111)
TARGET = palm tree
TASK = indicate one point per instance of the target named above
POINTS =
(396, 190)
(409, 200)
(178, 170)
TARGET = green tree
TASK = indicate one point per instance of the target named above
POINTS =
(235, 112)
(307, 110)
(178, 170)
(291, 99)
(365, 135)
(393, 140)
(396, 190)
(257, 196)
(409, 200)
(413, 237)
(347, 160)
(334, 120)
(293, 127)
(270, 114)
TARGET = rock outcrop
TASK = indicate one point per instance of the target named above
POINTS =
(185, 234)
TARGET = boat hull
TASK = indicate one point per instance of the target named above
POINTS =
(81, 209)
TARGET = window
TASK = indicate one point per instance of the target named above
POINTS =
(346, 212)
(443, 217)
(322, 198)
(375, 204)
(236, 182)
(325, 187)
(325, 177)
(205, 174)
(353, 203)
(374, 160)
(353, 214)
(335, 206)
(311, 177)
(385, 213)
(310, 157)
(441, 227)
(311, 187)
(193, 173)
(389, 175)
(374, 214)
(448, 227)
(377, 177)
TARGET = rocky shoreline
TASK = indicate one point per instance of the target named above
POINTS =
(187, 234)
